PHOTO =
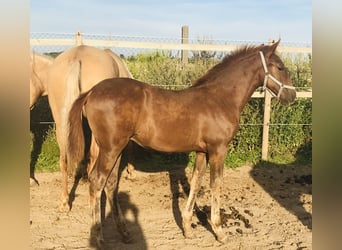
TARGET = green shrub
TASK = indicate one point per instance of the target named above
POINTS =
(161, 69)
(44, 148)
(48, 158)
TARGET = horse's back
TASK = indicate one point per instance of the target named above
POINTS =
(122, 66)
(96, 65)
(115, 105)
(118, 90)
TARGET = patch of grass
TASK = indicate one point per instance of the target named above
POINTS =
(48, 159)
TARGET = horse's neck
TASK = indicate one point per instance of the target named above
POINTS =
(238, 86)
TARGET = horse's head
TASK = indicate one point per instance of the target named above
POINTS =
(276, 76)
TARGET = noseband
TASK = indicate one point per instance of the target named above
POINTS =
(268, 75)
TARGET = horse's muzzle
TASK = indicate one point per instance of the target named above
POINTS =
(288, 96)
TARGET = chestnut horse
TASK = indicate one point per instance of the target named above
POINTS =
(203, 118)
(73, 72)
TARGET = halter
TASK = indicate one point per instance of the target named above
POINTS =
(268, 75)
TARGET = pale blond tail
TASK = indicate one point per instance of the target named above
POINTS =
(72, 91)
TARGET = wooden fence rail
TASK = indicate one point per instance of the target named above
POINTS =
(78, 40)
(184, 47)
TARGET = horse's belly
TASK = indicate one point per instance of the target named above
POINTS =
(174, 142)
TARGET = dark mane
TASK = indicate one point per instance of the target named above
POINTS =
(235, 55)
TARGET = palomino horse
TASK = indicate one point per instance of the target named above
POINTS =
(74, 71)
(39, 66)
(202, 118)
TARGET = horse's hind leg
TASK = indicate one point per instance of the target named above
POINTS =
(197, 174)
(111, 190)
(97, 178)
(64, 206)
(130, 166)
(65, 195)
(93, 154)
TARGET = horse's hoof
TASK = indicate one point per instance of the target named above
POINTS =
(127, 239)
(189, 234)
(64, 207)
(96, 243)
(96, 237)
(187, 228)
(99, 242)
(33, 182)
(131, 175)
(222, 239)
(220, 236)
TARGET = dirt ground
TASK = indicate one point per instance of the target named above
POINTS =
(262, 208)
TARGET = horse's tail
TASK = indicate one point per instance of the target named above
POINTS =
(76, 140)
(72, 91)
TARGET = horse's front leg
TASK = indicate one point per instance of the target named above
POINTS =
(197, 174)
(216, 162)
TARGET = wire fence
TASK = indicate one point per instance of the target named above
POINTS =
(58, 40)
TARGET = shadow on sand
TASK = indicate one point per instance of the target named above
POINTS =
(112, 238)
(174, 164)
(287, 184)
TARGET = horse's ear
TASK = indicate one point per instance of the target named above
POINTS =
(275, 45)
(269, 50)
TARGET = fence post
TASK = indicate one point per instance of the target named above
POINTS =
(78, 38)
(266, 123)
(185, 39)
(266, 126)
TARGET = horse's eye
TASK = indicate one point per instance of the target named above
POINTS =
(279, 67)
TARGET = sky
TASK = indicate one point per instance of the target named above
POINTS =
(243, 20)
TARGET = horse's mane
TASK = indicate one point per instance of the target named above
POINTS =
(234, 56)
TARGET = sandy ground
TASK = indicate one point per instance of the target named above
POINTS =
(262, 208)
